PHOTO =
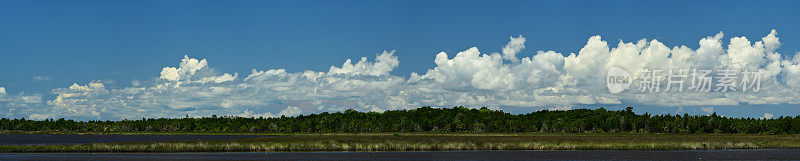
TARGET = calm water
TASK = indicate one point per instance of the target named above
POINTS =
(27, 139)
(762, 154)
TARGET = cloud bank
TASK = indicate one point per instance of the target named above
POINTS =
(475, 78)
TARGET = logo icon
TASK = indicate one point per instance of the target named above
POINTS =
(618, 80)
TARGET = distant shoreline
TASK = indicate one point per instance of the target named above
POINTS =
(428, 119)
(438, 142)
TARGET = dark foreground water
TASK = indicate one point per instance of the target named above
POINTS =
(761, 154)
(27, 139)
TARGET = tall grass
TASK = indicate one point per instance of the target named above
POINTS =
(436, 142)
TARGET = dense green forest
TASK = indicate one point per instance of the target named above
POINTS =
(427, 119)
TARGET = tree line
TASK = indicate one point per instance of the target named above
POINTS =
(427, 119)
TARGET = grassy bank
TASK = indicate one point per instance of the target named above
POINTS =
(432, 142)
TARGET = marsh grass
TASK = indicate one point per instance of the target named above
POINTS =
(438, 142)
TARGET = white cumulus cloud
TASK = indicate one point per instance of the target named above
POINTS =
(385, 63)
(504, 77)
(767, 116)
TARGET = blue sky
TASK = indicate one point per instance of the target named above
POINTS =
(120, 42)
